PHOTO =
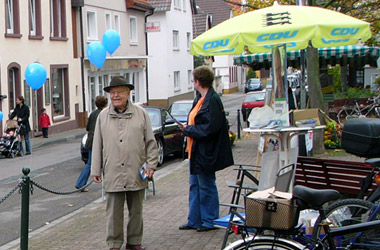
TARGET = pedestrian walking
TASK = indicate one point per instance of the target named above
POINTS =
(44, 123)
(21, 112)
(209, 150)
(101, 102)
(123, 143)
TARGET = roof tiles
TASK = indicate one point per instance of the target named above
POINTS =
(161, 5)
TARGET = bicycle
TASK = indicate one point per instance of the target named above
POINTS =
(294, 238)
(371, 111)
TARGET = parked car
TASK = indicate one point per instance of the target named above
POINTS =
(252, 100)
(169, 137)
(253, 84)
(180, 109)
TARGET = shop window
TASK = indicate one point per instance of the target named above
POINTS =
(60, 92)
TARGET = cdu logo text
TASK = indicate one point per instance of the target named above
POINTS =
(340, 32)
(216, 44)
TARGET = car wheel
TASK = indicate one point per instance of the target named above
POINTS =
(160, 147)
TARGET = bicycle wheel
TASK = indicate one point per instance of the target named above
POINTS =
(345, 114)
(265, 242)
(349, 212)
(374, 113)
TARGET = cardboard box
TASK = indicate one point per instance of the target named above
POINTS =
(306, 114)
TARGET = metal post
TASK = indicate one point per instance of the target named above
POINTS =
(238, 124)
(25, 189)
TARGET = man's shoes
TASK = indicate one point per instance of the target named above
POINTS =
(27, 153)
(134, 247)
(205, 229)
(84, 190)
(185, 227)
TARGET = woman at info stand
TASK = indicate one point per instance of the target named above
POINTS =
(209, 150)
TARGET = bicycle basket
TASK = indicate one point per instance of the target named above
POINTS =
(271, 213)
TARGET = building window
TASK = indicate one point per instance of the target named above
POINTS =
(175, 40)
(116, 19)
(35, 27)
(189, 79)
(91, 87)
(184, 5)
(58, 20)
(12, 88)
(133, 29)
(360, 77)
(188, 37)
(177, 4)
(108, 21)
(27, 100)
(12, 15)
(176, 81)
(60, 91)
(92, 30)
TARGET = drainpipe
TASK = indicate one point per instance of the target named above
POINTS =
(82, 59)
(146, 51)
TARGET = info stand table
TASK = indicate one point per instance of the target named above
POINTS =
(272, 161)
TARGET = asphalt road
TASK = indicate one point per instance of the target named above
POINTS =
(56, 168)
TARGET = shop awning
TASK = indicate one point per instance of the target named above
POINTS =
(356, 55)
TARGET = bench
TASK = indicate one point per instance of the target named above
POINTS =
(343, 176)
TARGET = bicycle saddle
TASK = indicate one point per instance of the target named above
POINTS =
(313, 198)
(374, 162)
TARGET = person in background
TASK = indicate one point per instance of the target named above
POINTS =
(123, 143)
(44, 123)
(101, 102)
(209, 150)
(22, 113)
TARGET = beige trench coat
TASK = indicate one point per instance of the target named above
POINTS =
(122, 144)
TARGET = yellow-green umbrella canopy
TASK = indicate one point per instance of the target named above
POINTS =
(292, 25)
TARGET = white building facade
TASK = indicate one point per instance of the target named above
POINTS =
(39, 31)
(170, 63)
(127, 17)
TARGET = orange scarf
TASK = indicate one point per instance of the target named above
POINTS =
(191, 121)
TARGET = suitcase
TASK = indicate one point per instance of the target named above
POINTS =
(361, 137)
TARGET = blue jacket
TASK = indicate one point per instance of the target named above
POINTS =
(211, 150)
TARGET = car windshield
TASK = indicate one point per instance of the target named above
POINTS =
(180, 108)
(254, 82)
(154, 116)
(253, 97)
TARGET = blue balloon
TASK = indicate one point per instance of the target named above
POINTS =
(111, 40)
(35, 75)
(96, 53)
(1, 116)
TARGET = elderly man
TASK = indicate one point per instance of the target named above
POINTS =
(123, 143)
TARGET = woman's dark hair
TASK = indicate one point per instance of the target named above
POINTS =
(101, 101)
(204, 75)
(21, 98)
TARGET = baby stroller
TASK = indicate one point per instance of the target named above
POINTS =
(10, 142)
